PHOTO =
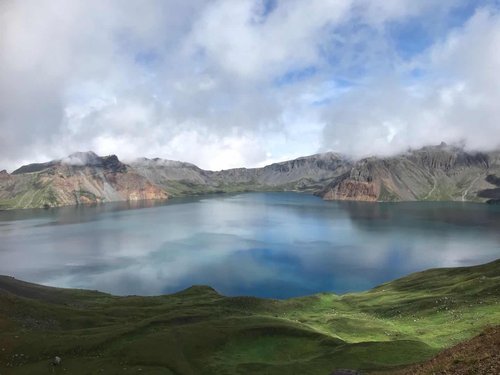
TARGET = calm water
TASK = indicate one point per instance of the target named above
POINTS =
(261, 244)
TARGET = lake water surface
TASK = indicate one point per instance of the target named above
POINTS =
(261, 244)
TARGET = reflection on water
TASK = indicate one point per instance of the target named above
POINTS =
(262, 244)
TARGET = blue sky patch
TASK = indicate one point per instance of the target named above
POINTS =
(147, 58)
(296, 75)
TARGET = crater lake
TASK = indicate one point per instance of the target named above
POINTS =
(275, 245)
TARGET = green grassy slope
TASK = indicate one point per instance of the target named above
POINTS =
(479, 355)
(198, 331)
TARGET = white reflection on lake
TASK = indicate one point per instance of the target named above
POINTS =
(262, 244)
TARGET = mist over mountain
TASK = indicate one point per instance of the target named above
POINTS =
(431, 173)
(224, 84)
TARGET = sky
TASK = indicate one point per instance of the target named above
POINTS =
(244, 83)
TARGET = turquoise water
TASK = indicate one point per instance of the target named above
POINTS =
(261, 244)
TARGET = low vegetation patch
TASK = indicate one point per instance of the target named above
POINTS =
(198, 331)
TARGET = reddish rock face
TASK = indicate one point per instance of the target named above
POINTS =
(135, 187)
(104, 180)
(431, 173)
(87, 187)
(354, 190)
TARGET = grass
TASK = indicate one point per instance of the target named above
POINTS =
(198, 331)
(29, 192)
(479, 355)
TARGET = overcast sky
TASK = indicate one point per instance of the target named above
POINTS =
(245, 83)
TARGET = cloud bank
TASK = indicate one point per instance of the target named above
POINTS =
(243, 83)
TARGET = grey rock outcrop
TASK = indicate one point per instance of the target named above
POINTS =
(431, 173)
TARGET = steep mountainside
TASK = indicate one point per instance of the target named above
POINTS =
(431, 173)
(304, 174)
(78, 179)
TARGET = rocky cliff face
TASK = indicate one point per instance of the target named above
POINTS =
(302, 174)
(431, 173)
(81, 178)
(345, 188)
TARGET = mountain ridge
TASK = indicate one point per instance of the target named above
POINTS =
(431, 173)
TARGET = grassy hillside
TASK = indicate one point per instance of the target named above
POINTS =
(198, 331)
(479, 355)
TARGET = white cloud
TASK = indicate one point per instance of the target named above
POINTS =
(454, 100)
(233, 39)
(229, 83)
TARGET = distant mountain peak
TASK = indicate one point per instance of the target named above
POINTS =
(77, 159)
(437, 172)
(159, 162)
(82, 158)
